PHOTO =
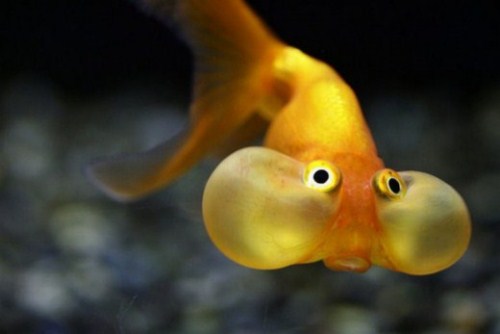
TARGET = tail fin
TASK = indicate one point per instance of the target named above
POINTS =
(233, 53)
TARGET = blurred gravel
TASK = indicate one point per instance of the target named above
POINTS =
(74, 261)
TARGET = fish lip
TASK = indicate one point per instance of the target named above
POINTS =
(348, 263)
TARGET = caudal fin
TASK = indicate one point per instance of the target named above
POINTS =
(233, 83)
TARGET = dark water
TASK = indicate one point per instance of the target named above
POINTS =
(85, 79)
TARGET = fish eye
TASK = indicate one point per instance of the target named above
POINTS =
(322, 175)
(389, 183)
(394, 185)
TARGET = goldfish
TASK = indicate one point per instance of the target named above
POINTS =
(316, 189)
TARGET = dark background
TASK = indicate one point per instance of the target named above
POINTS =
(87, 46)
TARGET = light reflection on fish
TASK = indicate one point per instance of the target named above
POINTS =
(317, 189)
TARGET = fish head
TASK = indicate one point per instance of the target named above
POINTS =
(266, 210)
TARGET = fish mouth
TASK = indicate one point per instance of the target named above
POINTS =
(348, 263)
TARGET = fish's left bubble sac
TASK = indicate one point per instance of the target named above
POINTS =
(425, 224)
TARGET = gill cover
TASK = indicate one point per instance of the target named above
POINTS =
(260, 213)
(426, 225)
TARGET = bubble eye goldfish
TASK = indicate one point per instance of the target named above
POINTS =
(316, 190)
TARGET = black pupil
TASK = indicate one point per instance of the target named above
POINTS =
(321, 176)
(394, 185)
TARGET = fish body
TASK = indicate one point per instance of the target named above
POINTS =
(316, 189)
(324, 121)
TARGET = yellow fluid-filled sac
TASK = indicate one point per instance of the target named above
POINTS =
(259, 212)
(425, 230)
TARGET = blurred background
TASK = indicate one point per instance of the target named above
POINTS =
(82, 79)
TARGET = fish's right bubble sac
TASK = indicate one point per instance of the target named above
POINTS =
(259, 212)
(425, 223)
